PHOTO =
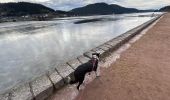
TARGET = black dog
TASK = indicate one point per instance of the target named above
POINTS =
(81, 70)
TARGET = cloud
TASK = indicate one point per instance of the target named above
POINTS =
(69, 4)
(145, 4)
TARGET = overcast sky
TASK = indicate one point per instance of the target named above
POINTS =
(70, 4)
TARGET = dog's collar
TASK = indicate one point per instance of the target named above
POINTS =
(94, 60)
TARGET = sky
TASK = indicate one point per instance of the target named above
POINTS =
(70, 4)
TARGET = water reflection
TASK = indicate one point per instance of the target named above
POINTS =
(26, 54)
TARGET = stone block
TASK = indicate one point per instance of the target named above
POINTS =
(65, 71)
(21, 92)
(103, 47)
(56, 79)
(107, 45)
(98, 50)
(74, 63)
(110, 43)
(115, 42)
(41, 87)
(83, 59)
(4, 96)
(89, 54)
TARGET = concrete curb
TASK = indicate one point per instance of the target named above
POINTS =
(43, 86)
(55, 79)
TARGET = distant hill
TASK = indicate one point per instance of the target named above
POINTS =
(26, 8)
(167, 9)
(23, 8)
(61, 12)
(103, 9)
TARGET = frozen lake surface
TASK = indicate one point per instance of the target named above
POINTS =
(31, 48)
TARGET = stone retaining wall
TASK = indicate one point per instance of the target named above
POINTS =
(44, 86)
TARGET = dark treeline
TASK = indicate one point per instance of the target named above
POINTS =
(23, 8)
(166, 9)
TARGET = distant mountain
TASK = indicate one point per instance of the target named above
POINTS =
(26, 8)
(103, 9)
(23, 8)
(167, 9)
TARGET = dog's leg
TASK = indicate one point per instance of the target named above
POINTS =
(80, 81)
(97, 74)
(78, 86)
